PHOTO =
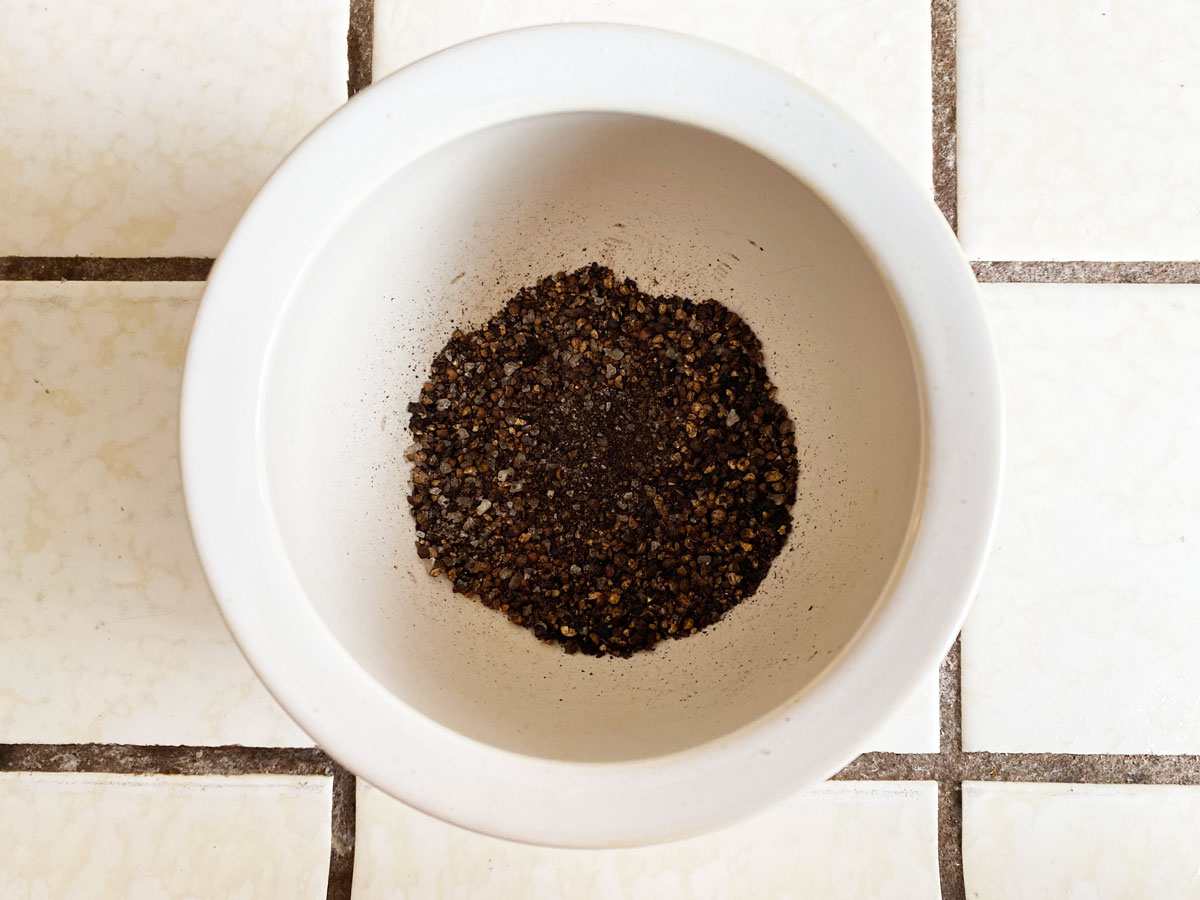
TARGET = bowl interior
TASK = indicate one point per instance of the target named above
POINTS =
(444, 243)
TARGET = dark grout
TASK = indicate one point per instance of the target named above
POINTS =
(132, 759)
(1063, 768)
(360, 45)
(943, 22)
(950, 834)
(886, 766)
(342, 833)
(950, 855)
(1088, 272)
(104, 268)
(944, 71)
(343, 826)
(1048, 768)
(1082, 768)
(990, 271)
(950, 710)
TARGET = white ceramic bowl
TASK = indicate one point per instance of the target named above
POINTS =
(428, 200)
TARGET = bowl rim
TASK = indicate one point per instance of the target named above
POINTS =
(611, 68)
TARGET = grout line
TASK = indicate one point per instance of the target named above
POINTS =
(944, 71)
(943, 36)
(1088, 272)
(1049, 768)
(342, 836)
(946, 766)
(950, 813)
(196, 268)
(950, 718)
(950, 833)
(1064, 768)
(884, 766)
(360, 55)
(360, 45)
(1082, 768)
(104, 268)
(131, 759)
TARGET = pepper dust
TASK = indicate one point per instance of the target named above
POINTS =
(606, 468)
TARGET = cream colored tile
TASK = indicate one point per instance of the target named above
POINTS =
(841, 840)
(1078, 129)
(914, 728)
(135, 129)
(107, 629)
(1081, 842)
(120, 837)
(1083, 638)
(872, 56)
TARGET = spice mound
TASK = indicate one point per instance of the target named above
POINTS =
(606, 468)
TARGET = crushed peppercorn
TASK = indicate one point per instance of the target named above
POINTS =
(607, 468)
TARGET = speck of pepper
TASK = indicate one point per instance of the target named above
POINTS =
(606, 468)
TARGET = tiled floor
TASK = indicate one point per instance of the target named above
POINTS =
(1024, 841)
(109, 632)
(1077, 126)
(146, 128)
(1084, 635)
(1060, 137)
(842, 840)
(87, 835)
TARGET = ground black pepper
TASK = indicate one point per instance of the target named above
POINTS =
(605, 467)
